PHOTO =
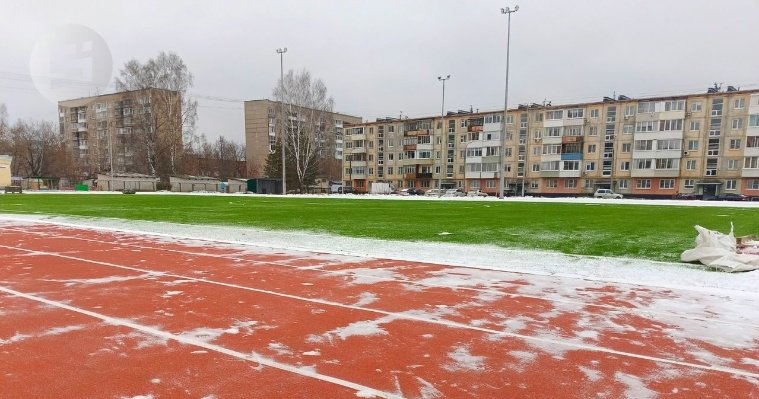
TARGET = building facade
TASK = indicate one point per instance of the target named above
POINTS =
(127, 132)
(700, 144)
(262, 132)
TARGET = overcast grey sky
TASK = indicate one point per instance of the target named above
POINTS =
(381, 58)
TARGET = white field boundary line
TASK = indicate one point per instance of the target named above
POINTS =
(721, 291)
(411, 317)
(253, 357)
(319, 268)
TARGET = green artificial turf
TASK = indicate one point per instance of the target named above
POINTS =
(608, 229)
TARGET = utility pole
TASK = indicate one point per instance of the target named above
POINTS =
(283, 117)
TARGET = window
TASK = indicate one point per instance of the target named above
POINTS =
(667, 184)
(535, 150)
(626, 147)
(753, 120)
(539, 117)
(731, 184)
(689, 183)
(695, 126)
(536, 167)
(593, 131)
(573, 131)
(390, 170)
(667, 163)
(628, 129)
(594, 113)
(624, 165)
(575, 113)
(738, 123)
(644, 145)
(553, 115)
(643, 164)
(674, 105)
(490, 183)
(648, 126)
(690, 164)
(695, 106)
(571, 165)
(739, 103)
(550, 166)
(591, 148)
(643, 184)
(646, 107)
(751, 163)
(692, 145)
(629, 110)
(570, 183)
(752, 184)
(717, 107)
(510, 119)
(590, 166)
(672, 144)
(552, 132)
(552, 183)
(735, 144)
(732, 164)
(623, 184)
(534, 184)
(671, 124)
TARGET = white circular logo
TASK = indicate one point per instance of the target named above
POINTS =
(72, 61)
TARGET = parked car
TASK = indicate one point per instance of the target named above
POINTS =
(435, 192)
(476, 193)
(454, 192)
(345, 190)
(606, 193)
(411, 191)
(731, 197)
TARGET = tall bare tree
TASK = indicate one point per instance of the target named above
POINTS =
(305, 109)
(172, 113)
(37, 149)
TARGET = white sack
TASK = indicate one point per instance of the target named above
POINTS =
(720, 251)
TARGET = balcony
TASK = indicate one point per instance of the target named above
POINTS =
(409, 147)
(81, 127)
(474, 128)
(572, 156)
(571, 139)
(81, 118)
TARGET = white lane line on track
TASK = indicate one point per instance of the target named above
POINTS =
(216, 348)
(412, 317)
(320, 269)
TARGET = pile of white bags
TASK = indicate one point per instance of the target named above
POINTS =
(722, 251)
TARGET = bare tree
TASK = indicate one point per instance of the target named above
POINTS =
(306, 109)
(161, 84)
(37, 148)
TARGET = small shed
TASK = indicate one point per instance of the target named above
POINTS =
(126, 181)
(265, 186)
(188, 184)
(237, 185)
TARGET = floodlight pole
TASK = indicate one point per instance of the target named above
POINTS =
(508, 12)
(281, 52)
(442, 130)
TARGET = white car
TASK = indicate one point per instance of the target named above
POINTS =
(606, 193)
(476, 193)
(454, 192)
(434, 193)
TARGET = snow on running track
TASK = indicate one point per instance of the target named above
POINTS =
(92, 312)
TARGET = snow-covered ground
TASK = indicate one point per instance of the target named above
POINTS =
(622, 270)
(579, 200)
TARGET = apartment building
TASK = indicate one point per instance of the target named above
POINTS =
(127, 132)
(262, 131)
(702, 144)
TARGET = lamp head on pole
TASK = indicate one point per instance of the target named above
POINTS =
(443, 78)
(281, 50)
(507, 10)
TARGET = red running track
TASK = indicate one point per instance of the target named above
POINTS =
(97, 314)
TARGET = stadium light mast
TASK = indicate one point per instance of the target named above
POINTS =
(281, 52)
(442, 130)
(508, 12)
